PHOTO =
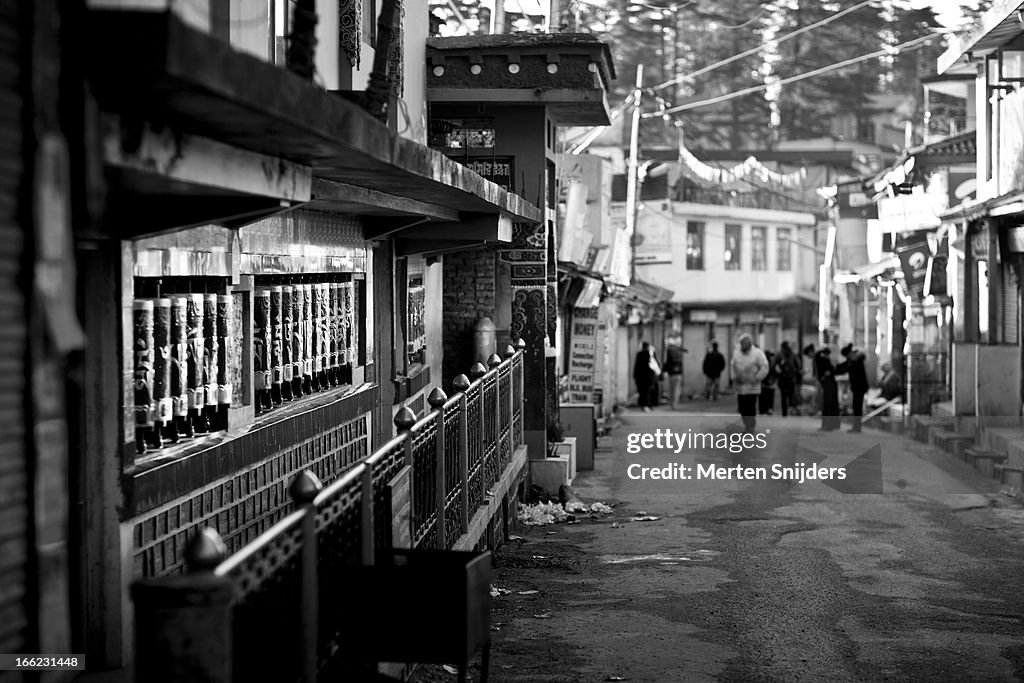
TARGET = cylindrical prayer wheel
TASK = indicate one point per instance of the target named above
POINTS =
(225, 313)
(261, 348)
(212, 355)
(162, 366)
(196, 364)
(286, 342)
(319, 334)
(353, 349)
(276, 327)
(179, 364)
(210, 359)
(332, 333)
(298, 335)
(345, 322)
(142, 326)
(307, 337)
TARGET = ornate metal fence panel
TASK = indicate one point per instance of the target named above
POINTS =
(475, 437)
(504, 416)
(452, 473)
(268, 577)
(489, 389)
(424, 483)
(385, 465)
(339, 522)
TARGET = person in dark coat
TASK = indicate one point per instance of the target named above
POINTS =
(825, 372)
(714, 364)
(766, 403)
(787, 369)
(853, 365)
(646, 370)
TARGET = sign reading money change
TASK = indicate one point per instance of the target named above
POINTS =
(583, 354)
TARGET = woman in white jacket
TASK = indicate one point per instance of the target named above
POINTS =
(749, 366)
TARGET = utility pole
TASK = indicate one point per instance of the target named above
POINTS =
(632, 205)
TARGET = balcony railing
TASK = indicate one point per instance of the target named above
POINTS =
(275, 609)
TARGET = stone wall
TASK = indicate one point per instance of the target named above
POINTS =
(469, 294)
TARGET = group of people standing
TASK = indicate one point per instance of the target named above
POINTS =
(755, 376)
(825, 372)
(648, 370)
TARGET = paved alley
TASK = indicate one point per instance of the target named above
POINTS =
(767, 580)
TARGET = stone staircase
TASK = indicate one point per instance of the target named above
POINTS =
(995, 450)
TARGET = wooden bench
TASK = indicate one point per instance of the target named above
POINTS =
(983, 460)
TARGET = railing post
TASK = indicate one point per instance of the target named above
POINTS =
(303, 490)
(518, 380)
(369, 522)
(404, 421)
(461, 385)
(437, 399)
(476, 372)
(510, 352)
(183, 623)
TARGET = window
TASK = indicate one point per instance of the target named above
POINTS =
(694, 245)
(759, 248)
(784, 249)
(733, 246)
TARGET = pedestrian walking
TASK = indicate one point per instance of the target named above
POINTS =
(766, 403)
(787, 370)
(825, 372)
(714, 364)
(646, 370)
(673, 367)
(853, 365)
(749, 368)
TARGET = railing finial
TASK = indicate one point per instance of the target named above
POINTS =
(493, 360)
(520, 344)
(304, 487)
(510, 351)
(437, 398)
(461, 384)
(205, 550)
(404, 419)
(477, 371)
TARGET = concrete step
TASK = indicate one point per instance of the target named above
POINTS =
(1012, 475)
(947, 440)
(983, 460)
(999, 438)
(920, 424)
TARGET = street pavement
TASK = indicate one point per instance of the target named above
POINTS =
(764, 580)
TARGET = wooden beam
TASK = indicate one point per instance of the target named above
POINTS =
(549, 96)
(489, 228)
(409, 247)
(325, 192)
(133, 146)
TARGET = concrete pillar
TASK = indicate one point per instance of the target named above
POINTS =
(532, 315)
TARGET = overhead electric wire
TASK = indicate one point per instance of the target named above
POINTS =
(759, 48)
(792, 79)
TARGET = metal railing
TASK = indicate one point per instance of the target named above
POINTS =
(271, 610)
